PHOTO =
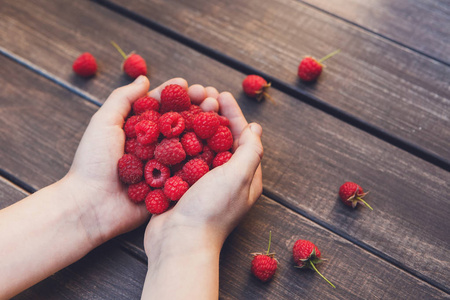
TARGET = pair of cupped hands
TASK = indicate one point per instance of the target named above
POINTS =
(208, 211)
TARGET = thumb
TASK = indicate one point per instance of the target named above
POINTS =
(249, 152)
(118, 104)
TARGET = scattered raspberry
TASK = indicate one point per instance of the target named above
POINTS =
(191, 144)
(130, 146)
(130, 169)
(171, 124)
(205, 124)
(156, 173)
(222, 140)
(310, 68)
(145, 152)
(138, 191)
(265, 265)
(147, 132)
(129, 126)
(351, 194)
(175, 187)
(144, 104)
(170, 152)
(133, 65)
(85, 65)
(156, 202)
(221, 158)
(307, 255)
(207, 155)
(193, 170)
(150, 115)
(174, 98)
(255, 86)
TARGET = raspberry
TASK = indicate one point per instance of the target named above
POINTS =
(156, 173)
(171, 124)
(175, 187)
(193, 170)
(221, 158)
(145, 152)
(151, 115)
(174, 98)
(188, 117)
(145, 103)
(222, 140)
(170, 152)
(191, 144)
(207, 155)
(223, 121)
(147, 132)
(130, 169)
(156, 202)
(309, 69)
(264, 267)
(85, 65)
(134, 66)
(205, 124)
(129, 126)
(195, 109)
(256, 87)
(138, 191)
(130, 146)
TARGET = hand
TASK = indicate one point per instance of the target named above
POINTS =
(183, 244)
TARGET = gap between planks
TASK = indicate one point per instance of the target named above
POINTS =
(295, 92)
(366, 29)
(305, 97)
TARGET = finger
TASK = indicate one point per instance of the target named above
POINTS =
(197, 94)
(210, 104)
(118, 105)
(248, 154)
(211, 92)
(229, 108)
(156, 93)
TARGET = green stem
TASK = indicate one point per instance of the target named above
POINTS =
(119, 49)
(329, 55)
(362, 200)
(314, 267)
(270, 241)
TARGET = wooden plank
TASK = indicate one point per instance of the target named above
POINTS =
(356, 274)
(421, 25)
(393, 88)
(306, 160)
(105, 273)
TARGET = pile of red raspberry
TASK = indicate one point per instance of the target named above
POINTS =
(169, 146)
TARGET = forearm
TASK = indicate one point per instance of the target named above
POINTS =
(40, 235)
(184, 267)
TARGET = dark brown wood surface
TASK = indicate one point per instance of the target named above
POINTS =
(308, 154)
(420, 25)
(389, 86)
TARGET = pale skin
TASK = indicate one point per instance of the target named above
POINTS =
(62, 222)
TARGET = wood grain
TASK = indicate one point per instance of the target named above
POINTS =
(308, 154)
(391, 87)
(421, 25)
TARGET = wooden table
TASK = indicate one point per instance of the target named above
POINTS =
(378, 115)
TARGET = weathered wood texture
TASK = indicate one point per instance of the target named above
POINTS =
(305, 161)
(395, 89)
(105, 273)
(421, 25)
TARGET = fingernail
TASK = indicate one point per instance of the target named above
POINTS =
(256, 129)
(139, 80)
